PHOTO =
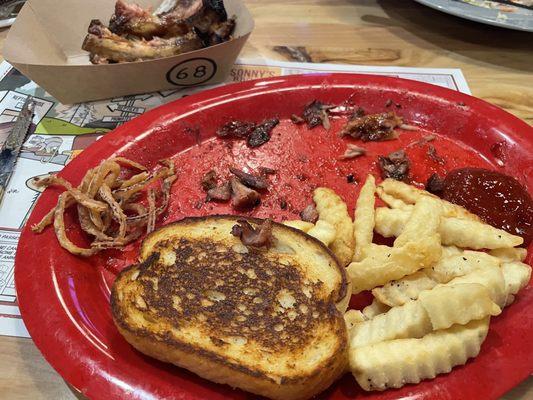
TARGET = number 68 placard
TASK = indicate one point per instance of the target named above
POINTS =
(192, 72)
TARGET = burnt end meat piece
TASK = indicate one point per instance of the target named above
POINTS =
(395, 165)
(221, 32)
(100, 41)
(184, 9)
(209, 180)
(131, 19)
(250, 180)
(261, 134)
(211, 23)
(236, 129)
(96, 28)
(137, 34)
(218, 7)
(260, 236)
(309, 214)
(255, 134)
(374, 127)
(219, 193)
(215, 192)
(316, 113)
(96, 59)
(435, 184)
(243, 197)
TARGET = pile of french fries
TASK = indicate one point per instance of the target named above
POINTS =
(434, 290)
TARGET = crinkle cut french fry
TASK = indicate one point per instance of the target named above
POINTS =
(392, 201)
(460, 232)
(457, 304)
(363, 225)
(323, 231)
(435, 309)
(375, 308)
(409, 320)
(423, 221)
(399, 292)
(407, 193)
(376, 250)
(410, 195)
(490, 277)
(510, 254)
(301, 225)
(475, 235)
(376, 269)
(390, 222)
(394, 363)
(516, 276)
(331, 208)
(458, 265)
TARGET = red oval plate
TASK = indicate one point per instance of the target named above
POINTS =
(64, 299)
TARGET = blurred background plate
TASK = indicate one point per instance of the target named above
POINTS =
(487, 12)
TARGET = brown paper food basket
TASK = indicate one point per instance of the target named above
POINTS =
(45, 45)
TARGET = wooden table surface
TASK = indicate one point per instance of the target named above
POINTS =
(497, 63)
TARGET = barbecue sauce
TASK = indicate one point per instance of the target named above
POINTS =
(497, 199)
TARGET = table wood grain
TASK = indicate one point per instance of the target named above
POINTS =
(497, 64)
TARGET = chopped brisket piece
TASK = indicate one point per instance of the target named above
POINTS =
(261, 134)
(435, 184)
(250, 180)
(219, 193)
(260, 236)
(236, 129)
(375, 127)
(241, 196)
(316, 113)
(395, 165)
(209, 180)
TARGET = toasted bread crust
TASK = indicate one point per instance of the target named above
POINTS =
(209, 361)
(215, 368)
(341, 292)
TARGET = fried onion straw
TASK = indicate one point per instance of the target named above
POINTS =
(59, 227)
(150, 226)
(109, 202)
(116, 212)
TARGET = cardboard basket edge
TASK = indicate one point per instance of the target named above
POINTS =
(60, 80)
